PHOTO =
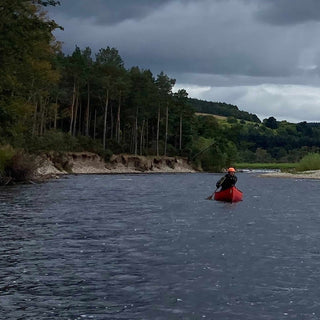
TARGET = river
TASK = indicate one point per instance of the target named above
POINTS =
(149, 246)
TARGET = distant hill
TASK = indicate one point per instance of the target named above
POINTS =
(312, 124)
(211, 115)
(222, 109)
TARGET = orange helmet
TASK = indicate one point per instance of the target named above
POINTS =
(231, 170)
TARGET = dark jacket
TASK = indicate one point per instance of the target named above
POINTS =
(227, 181)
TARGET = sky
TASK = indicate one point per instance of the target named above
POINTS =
(260, 55)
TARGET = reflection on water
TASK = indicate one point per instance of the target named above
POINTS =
(151, 247)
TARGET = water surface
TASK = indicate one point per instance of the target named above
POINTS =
(151, 247)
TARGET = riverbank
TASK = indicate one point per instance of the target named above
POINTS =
(312, 174)
(52, 165)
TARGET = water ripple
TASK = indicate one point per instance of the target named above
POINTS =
(150, 247)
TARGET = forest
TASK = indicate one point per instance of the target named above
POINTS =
(52, 101)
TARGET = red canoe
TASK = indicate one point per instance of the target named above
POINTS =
(231, 195)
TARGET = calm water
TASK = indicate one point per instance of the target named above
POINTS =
(151, 247)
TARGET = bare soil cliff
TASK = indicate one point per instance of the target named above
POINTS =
(54, 164)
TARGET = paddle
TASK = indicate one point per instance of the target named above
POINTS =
(220, 183)
(210, 197)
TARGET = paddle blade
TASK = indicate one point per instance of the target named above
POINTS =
(210, 197)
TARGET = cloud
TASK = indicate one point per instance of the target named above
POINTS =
(193, 90)
(288, 12)
(294, 103)
(108, 12)
(237, 47)
(198, 38)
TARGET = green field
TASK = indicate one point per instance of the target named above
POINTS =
(281, 166)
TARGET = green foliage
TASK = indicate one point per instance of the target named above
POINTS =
(17, 117)
(213, 155)
(263, 165)
(232, 120)
(88, 144)
(53, 141)
(50, 102)
(23, 31)
(262, 155)
(222, 109)
(271, 123)
(6, 155)
(15, 165)
(164, 84)
(309, 162)
(208, 127)
(109, 57)
(22, 166)
(57, 142)
(106, 154)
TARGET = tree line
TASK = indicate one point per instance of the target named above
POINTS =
(90, 101)
(126, 110)
(83, 94)
(222, 109)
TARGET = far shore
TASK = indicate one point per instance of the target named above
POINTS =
(90, 163)
(312, 174)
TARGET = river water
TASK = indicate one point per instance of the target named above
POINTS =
(150, 246)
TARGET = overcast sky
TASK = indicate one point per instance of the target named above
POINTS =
(261, 55)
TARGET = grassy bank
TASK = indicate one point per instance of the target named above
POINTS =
(280, 166)
(309, 162)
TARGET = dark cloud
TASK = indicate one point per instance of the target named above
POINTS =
(214, 43)
(278, 12)
(214, 37)
(285, 12)
(106, 12)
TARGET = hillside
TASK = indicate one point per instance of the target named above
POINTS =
(221, 109)
(211, 115)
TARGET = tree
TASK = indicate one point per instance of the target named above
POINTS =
(165, 85)
(22, 26)
(122, 87)
(141, 99)
(26, 58)
(271, 123)
(88, 74)
(75, 68)
(109, 66)
(181, 103)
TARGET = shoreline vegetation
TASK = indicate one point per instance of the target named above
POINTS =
(281, 170)
(87, 101)
(284, 166)
(307, 168)
(53, 165)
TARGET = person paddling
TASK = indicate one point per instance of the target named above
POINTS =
(227, 181)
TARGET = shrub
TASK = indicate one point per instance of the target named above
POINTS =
(53, 141)
(106, 155)
(22, 166)
(6, 154)
(309, 162)
(114, 146)
(15, 165)
(171, 150)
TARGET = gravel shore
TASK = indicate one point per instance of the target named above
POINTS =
(312, 174)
